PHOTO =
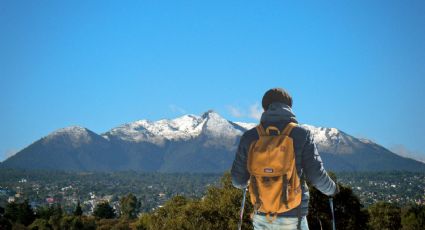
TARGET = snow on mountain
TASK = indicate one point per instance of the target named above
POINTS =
(213, 129)
(181, 128)
(208, 142)
(157, 132)
(77, 135)
(246, 126)
(324, 136)
(219, 131)
(334, 140)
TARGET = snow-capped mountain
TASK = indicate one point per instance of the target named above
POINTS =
(334, 140)
(157, 132)
(205, 143)
(75, 135)
(219, 131)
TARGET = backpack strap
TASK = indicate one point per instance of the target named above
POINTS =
(260, 130)
(258, 201)
(284, 197)
(270, 128)
(299, 213)
(287, 130)
(266, 132)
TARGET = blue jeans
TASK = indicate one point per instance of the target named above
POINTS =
(280, 223)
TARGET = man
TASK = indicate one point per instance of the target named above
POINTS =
(277, 104)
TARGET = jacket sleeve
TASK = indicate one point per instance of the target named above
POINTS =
(239, 171)
(314, 170)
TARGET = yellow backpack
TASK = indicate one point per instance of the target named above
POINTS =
(274, 183)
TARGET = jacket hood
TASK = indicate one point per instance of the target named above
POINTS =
(278, 113)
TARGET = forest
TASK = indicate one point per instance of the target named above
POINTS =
(218, 208)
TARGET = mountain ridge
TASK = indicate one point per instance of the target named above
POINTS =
(205, 143)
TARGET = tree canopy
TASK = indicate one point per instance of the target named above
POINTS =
(104, 211)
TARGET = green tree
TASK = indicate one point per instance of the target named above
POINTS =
(19, 226)
(114, 224)
(66, 222)
(413, 217)
(20, 213)
(385, 216)
(218, 209)
(104, 211)
(106, 224)
(71, 222)
(77, 223)
(26, 214)
(5, 223)
(45, 212)
(123, 224)
(56, 216)
(349, 212)
(78, 210)
(144, 221)
(40, 224)
(129, 206)
(88, 223)
(11, 211)
(222, 205)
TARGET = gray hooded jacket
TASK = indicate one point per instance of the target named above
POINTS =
(308, 162)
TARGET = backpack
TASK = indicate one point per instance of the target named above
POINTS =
(274, 185)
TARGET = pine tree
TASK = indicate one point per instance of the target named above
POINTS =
(26, 214)
(129, 206)
(45, 212)
(55, 218)
(78, 210)
(4, 222)
(20, 213)
(11, 211)
(104, 211)
(349, 212)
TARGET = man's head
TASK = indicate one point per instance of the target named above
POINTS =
(276, 95)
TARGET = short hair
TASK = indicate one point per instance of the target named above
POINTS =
(276, 95)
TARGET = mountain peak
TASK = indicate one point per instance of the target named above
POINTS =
(210, 124)
(322, 135)
(74, 134)
(157, 132)
(210, 114)
(74, 130)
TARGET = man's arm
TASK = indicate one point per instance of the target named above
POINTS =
(239, 171)
(314, 170)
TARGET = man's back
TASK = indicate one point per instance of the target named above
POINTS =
(308, 162)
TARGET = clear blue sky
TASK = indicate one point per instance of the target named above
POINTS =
(355, 65)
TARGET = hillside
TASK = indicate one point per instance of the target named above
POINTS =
(190, 143)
